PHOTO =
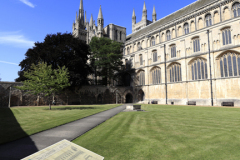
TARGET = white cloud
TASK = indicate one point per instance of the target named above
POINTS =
(8, 63)
(15, 39)
(28, 3)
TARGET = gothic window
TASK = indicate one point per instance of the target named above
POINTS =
(156, 75)
(141, 77)
(154, 56)
(186, 28)
(208, 20)
(236, 9)
(175, 73)
(229, 65)
(173, 51)
(168, 35)
(199, 69)
(226, 36)
(139, 46)
(196, 45)
(141, 59)
(153, 41)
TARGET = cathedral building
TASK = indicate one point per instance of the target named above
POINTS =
(191, 56)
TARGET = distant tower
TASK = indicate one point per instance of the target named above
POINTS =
(100, 23)
(144, 13)
(133, 19)
(154, 15)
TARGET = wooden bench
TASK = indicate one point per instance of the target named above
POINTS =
(154, 102)
(136, 107)
(228, 104)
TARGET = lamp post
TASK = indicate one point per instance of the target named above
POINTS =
(9, 103)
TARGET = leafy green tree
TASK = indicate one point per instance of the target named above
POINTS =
(106, 58)
(42, 79)
(60, 50)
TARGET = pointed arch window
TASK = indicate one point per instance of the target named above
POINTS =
(175, 73)
(236, 9)
(208, 20)
(186, 28)
(141, 77)
(155, 58)
(196, 44)
(229, 65)
(199, 69)
(173, 51)
(168, 35)
(226, 36)
(156, 75)
(153, 41)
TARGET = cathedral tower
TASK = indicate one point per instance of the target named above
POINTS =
(100, 23)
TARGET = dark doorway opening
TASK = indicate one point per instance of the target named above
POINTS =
(99, 99)
(141, 95)
(129, 98)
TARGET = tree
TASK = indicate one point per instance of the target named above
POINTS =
(42, 79)
(60, 50)
(106, 57)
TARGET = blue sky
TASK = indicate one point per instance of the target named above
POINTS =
(24, 22)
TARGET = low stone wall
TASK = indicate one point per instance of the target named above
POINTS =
(84, 95)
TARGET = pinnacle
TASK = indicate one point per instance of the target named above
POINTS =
(154, 10)
(81, 5)
(144, 6)
(100, 15)
(133, 15)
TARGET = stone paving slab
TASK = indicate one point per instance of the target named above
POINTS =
(26, 146)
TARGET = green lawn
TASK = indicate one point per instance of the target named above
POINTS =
(168, 132)
(23, 121)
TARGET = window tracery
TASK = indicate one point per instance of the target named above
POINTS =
(156, 75)
(199, 69)
(175, 73)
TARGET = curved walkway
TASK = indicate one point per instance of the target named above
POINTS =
(26, 146)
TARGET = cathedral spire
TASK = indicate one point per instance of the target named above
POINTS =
(144, 7)
(85, 16)
(76, 17)
(144, 12)
(100, 15)
(133, 15)
(154, 15)
(81, 5)
(91, 21)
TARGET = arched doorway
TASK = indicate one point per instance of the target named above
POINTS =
(129, 98)
(99, 99)
(141, 95)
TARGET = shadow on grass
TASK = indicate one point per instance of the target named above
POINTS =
(11, 130)
(73, 108)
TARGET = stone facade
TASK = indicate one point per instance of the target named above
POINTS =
(171, 56)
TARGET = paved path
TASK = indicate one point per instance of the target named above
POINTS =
(26, 146)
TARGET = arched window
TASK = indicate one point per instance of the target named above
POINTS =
(199, 69)
(153, 41)
(156, 75)
(175, 73)
(196, 45)
(186, 28)
(208, 19)
(141, 77)
(139, 46)
(173, 51)
(229, 65)
(168, 35)
(128, 50)
(236, 9)
(226, 36)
